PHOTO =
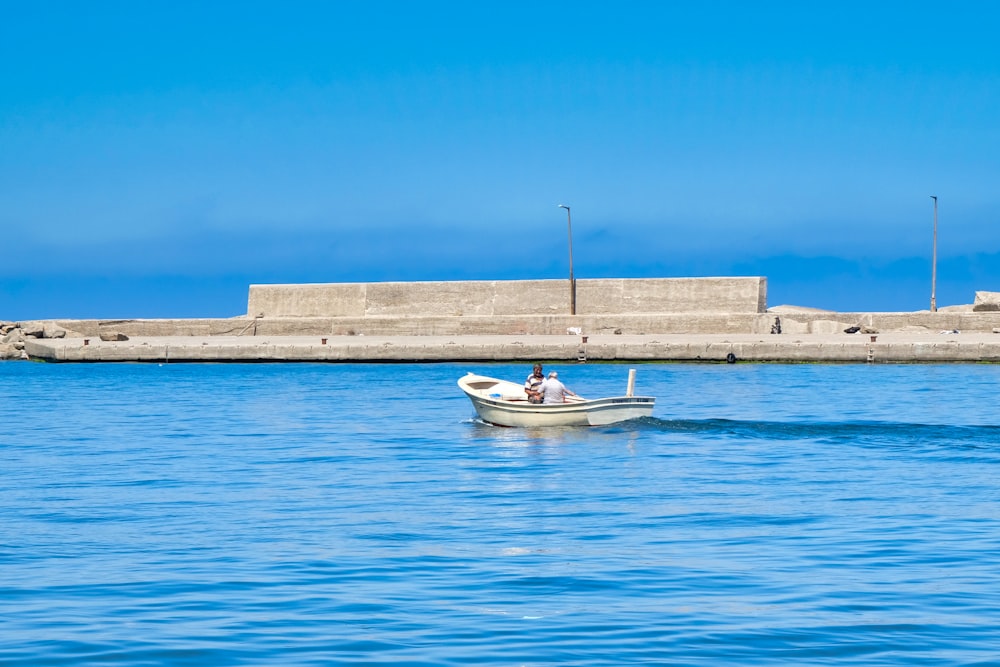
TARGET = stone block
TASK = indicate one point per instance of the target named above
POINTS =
(672, 295)
(13, 336)
(986, 302)
(532, 297)
(793, 326)
(50, 330)
(448, 298)
(308, 300)
(828, 326)
(33, 329)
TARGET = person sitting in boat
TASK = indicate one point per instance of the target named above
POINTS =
(532, 386)
(554, 391)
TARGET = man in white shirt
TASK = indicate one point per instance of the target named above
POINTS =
(554, 391)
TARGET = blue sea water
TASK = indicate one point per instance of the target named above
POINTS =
(310, 514)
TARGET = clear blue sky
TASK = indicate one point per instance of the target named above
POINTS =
(156, 158)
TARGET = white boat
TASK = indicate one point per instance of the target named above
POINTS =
(504, 403)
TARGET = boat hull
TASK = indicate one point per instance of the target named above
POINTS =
(503, 403)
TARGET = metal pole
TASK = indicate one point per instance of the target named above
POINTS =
(572, 281)
(934, 262)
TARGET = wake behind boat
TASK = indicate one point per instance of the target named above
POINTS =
(504, 403)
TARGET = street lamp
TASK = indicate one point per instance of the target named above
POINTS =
(934, 261)
(572, 282)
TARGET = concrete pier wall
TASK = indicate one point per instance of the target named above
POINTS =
(510, 298)
(802, 323)
(843, 348)
(656, 319)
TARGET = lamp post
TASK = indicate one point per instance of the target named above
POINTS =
(572, 282)
(934, 262)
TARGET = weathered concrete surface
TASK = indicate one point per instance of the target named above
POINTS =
(847, 348)
(507, 298)
(670, 319)
(986, 302)
(799, 322)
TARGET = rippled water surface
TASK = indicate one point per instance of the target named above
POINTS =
(358, 514)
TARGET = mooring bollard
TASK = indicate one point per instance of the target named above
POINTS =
(86, 341)
(322, 341)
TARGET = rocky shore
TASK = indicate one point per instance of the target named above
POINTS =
(14, 334)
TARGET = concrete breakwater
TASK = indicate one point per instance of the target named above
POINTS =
(694, 319)
(720, 348)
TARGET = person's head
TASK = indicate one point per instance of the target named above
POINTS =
(537, 370)
(553, 374)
